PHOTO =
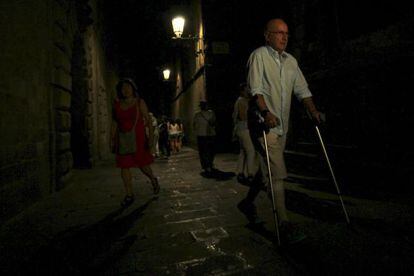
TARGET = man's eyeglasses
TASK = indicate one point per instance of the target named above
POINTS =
(281, 33)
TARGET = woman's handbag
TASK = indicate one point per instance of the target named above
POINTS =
(127, 140)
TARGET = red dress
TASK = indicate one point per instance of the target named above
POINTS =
(126, 120)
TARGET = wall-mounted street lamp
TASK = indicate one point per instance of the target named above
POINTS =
(178, 26)
(200, 53)
(178, 29)
(166, 73)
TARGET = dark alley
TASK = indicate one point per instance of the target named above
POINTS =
(138, 137)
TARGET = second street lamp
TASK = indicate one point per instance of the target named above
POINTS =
(166, 73)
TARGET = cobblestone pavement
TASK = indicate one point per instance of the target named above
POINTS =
(194, 228)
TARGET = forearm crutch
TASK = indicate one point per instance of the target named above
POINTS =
(271, 189)
(331, 170)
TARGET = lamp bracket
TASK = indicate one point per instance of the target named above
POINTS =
(188, 38)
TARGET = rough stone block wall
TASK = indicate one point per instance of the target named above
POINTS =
(62, 30)
(98, 101)
(25, 106)
(43, 71)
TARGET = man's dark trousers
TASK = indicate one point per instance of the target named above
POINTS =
(206, 151)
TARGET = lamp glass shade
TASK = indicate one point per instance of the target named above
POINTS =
(166, 73)
(178, 25)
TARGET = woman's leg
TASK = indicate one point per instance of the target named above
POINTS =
(172, 145)
(175, 144)
(241, 161)
(172, 142)
(250, 153)
(148, 172)
(240, 164)
(180, 142)
(127, 179)
(154, 181)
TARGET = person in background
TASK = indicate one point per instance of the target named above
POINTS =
(204, 125)
(163, 141)
(180, 135)
(130, 110)
(246, 163)
(173, 132)
(155, 146)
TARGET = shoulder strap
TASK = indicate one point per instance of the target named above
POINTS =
(202, 115)
(136, 116)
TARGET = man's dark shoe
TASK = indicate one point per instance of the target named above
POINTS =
(128, 200)
(250, 180)
(222, 175)
(208, 174)
(249, 210)
(291, 233)
(241, 178)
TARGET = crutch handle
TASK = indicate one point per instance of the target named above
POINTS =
(322, 118)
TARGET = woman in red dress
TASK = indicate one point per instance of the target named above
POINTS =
(129, 110)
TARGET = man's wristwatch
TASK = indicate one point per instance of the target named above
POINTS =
(264, 112)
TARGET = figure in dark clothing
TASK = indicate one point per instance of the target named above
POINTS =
(163, 140)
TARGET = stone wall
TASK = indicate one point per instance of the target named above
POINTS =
(99, 98)
(53, 80)
(25, 115)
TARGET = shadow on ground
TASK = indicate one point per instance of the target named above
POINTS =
(85, 250)
(322, 209)
(366, 246)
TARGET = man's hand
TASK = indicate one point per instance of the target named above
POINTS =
(311, 109)
(271, 120)
(316, 115)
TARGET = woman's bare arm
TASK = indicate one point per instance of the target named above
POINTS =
(144, 111)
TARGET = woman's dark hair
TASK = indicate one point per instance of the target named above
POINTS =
(119, 87)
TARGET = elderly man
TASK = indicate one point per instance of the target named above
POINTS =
(273, 76)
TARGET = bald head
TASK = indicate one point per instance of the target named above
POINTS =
(276, 34)
(272, 23)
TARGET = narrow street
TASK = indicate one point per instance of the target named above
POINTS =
(78, 75)
(193, 227)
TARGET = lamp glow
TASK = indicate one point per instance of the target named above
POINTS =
(166, 73)
(178, 26)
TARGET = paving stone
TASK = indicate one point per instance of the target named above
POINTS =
(215, 265)
(214, 234)
(193, 227)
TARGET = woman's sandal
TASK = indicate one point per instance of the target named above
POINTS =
(155, 186)
(127, 201)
